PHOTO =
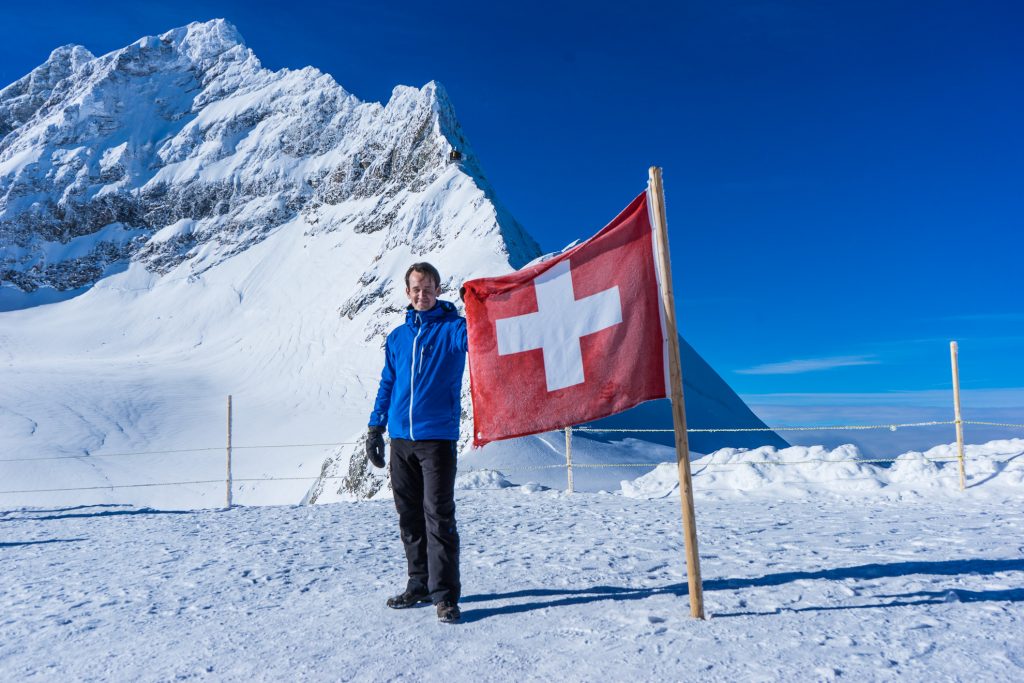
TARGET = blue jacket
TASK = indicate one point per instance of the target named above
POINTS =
(420, 385)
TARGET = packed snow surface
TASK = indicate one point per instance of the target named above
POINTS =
(248, 237)
(577, 587)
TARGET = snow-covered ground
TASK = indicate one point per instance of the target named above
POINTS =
(818, 563)
(570, 587)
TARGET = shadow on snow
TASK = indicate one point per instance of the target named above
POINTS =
(51, 540)
(29, 514)
(566, 597)
(1000, 466)
(63, 509)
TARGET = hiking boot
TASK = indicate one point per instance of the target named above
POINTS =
(407, 599)
(448, 612)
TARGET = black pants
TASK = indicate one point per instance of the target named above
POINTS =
(423, 479)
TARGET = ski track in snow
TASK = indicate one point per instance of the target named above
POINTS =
(556, 586)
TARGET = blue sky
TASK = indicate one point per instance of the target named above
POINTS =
(845, 181)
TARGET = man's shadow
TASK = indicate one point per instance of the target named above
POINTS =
(30, 515)
(49, 540)
(39, 511)
(565, 597)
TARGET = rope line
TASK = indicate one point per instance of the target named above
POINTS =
(118, 486)
(951, 458)
(991, 424)
(701, 489)
(301, 445)
(110, 455)
(529, 468)
(892, 426)
(180, 450)
(502, 470)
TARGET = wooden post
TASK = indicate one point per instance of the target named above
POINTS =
(228, 481)
(656, 196)
(568, 455)
(953, 353)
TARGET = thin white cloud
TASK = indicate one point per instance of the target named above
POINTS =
(796, 367)
(985, 317)
(999, 400)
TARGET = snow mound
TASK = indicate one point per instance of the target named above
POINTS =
(801, 470)
(481, 479)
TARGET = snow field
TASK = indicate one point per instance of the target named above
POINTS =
(556, 586)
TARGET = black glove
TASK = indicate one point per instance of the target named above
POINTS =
(375, 446)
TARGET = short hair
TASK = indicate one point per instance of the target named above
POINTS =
(423, 268)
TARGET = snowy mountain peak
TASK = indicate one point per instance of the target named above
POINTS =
(20, 100)
(66, 58)
(434, 94)
(181, 148)
(202, 42)
(211, 37)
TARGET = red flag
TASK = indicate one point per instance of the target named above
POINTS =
(572, 339)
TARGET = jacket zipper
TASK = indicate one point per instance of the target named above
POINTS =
(412, 375)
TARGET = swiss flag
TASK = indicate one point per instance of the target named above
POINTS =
(572, 339)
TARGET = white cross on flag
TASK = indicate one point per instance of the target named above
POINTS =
(572, 339)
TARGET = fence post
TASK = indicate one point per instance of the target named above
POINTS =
(568, 455)
(228, 481)
(953, 353)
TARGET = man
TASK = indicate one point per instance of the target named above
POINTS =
(418, 403)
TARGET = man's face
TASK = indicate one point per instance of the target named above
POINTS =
(422, 291)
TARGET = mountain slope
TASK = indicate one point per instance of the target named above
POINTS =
(208, 227)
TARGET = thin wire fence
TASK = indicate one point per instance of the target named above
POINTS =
(738, 463)
(503, 470)
(525, 468)
(220, 449)
(891, 427)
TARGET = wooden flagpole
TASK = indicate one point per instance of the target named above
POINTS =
(656, 196)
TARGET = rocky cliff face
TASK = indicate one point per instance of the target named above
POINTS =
(181, 147)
